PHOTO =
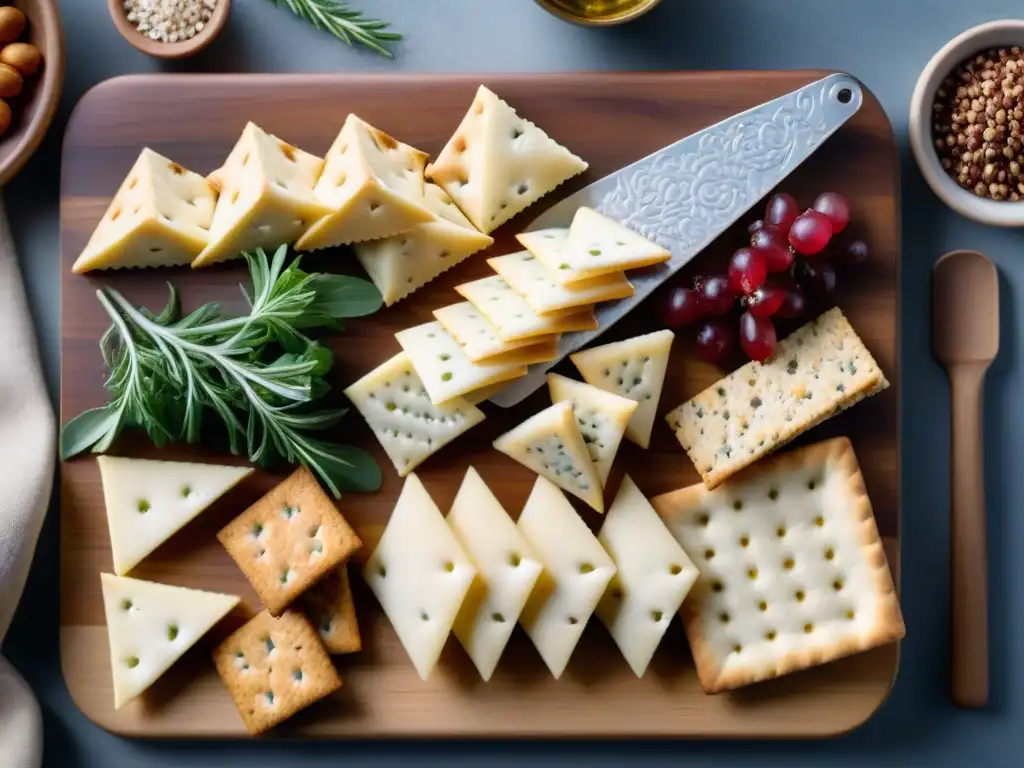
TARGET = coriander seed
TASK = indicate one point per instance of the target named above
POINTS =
(976, 124)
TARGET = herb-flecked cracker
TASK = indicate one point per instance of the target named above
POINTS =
(329, 606)
(817, 371)
(274, 668)
(288, 540)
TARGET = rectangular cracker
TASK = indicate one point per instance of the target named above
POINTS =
(288, 540)
(512, 317)
(534, 282)
(397, 408)
(817, 371)
(598, 245)
(529, 275)
(476, 335)
(329, 606)
(443, 367)
(792, 569)
(274, 668)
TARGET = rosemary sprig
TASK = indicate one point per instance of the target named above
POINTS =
(167, 372)
(344, 23)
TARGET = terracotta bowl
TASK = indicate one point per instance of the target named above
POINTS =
(994, 34)
(161, 50)
(34, 108)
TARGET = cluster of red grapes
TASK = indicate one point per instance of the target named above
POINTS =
(786, 244)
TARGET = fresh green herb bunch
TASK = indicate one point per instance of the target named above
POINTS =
(347, 25)
(259, 373)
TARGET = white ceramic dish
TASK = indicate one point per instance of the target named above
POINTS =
(994, 34)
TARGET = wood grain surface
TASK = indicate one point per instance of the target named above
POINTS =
(608, 119)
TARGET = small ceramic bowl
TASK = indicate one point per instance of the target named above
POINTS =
(559, 10)
(995, 34)
(34, 108)
(160, 49)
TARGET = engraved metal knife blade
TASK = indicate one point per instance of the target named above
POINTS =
(688, 193)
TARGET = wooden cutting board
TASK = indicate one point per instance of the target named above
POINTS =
(608, 119)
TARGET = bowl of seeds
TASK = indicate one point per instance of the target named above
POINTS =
(967, 123)
(169, 29)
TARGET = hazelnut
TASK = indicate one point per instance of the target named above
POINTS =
(10, 82)
(5, 117)
(12, 24)
(24, 57)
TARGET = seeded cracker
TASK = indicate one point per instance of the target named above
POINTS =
(288, 540)
(792, 570)
(331, 609)
(274, 668)
(817, 371)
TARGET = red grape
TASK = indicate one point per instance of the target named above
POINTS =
(851, 254)
(781, 211)
(747, 270)
(755, 225)
(715, 341)
(810, 233)
(757, 336)
(680, 306)
(715, 296)
(817, 278)
(768, 236)
(765, 301)
(793, 305)
(835, 208)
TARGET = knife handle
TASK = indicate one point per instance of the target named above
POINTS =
(969, 562)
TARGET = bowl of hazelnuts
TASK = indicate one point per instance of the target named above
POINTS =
(31, 77)
(967, 123)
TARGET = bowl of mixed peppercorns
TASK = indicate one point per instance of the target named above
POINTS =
(967, 123)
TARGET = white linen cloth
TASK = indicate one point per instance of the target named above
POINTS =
(27, 452)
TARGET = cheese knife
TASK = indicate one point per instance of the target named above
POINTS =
(687, 194)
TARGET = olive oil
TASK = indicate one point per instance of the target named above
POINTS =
(600, 11)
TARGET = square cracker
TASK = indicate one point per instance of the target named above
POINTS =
(817, 371)
(792, 570)
(331, 609)
(274, 668)
(288, 540)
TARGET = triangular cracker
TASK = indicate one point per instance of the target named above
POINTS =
(634, 368)
(371, 186)
(266, 197)
(443, 367)
(397, 408)
(497, 163)
(151, 625)
(601, 416)
(403, 263)
(534, 282)
(148, 501)
(159, 217)
(596, 246)
(550, 443)
(512, 317)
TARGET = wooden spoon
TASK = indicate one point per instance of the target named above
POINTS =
(965, 339)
